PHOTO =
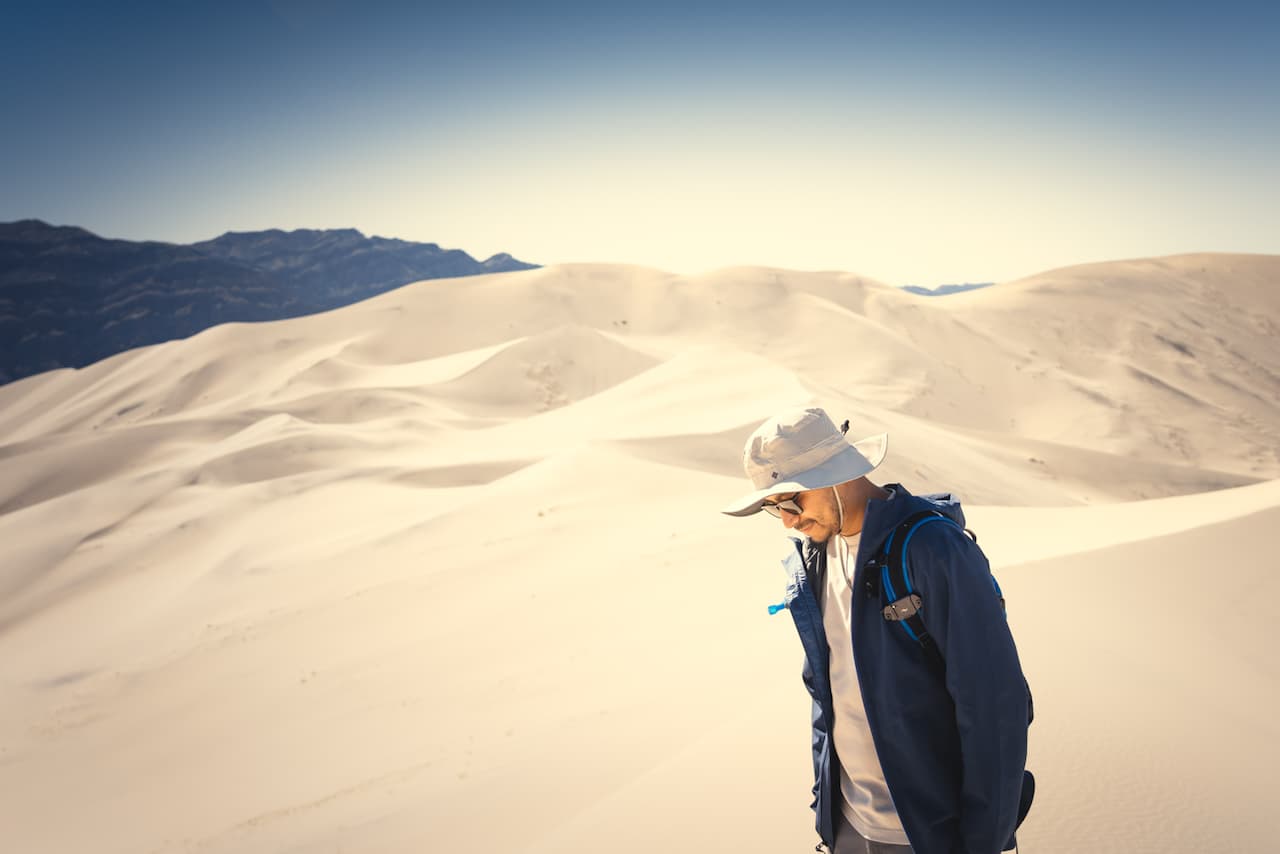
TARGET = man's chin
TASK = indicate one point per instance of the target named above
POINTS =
(817, 534)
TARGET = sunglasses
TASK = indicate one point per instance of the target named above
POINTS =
(777, 508)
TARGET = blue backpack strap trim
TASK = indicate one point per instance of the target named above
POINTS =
(904, 602)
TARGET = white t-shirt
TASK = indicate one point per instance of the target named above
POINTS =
(865, 802)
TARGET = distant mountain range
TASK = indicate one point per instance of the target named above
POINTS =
(69, 298)
(943, 290)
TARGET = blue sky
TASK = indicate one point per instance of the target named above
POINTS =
(937, 144)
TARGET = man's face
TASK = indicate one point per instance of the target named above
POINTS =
(818, 519)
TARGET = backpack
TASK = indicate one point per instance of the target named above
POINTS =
(903, 605)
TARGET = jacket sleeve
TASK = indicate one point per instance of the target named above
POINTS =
(984, 678)
(818, 733)
(821, 728)
(808, 620)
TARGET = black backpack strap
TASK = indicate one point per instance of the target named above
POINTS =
(905, 602)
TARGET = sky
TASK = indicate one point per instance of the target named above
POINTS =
(940, 143)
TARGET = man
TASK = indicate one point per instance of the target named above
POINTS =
(919, 737)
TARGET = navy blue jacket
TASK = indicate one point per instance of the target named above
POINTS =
(952, 748)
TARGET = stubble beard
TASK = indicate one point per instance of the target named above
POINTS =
(817, 529)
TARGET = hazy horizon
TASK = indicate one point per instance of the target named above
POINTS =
(925, 146)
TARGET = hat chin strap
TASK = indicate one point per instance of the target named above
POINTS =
(841, 541)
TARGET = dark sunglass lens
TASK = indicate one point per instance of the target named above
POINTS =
(777, 508)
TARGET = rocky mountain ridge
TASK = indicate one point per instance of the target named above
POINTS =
(69, 298)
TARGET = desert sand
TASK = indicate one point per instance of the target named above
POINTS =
(443, 570)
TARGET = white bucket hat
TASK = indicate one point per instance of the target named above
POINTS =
(802, 449)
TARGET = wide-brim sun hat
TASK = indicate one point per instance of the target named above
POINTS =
(799, 450)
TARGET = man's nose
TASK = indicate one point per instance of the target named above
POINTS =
(789, 520)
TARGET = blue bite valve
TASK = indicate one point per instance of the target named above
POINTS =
(773, 609)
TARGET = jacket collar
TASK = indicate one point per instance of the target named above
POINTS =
(881, 517)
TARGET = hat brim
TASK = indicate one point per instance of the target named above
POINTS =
(858, 460)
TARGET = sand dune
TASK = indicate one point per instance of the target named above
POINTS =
(1190, 339)
(545, 371)
(443, 569)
